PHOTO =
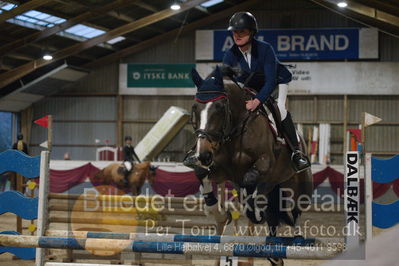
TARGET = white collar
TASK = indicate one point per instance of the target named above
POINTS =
(247, 51)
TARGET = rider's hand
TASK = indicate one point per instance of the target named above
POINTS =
(252, 104)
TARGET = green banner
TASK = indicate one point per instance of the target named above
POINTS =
(159, 75)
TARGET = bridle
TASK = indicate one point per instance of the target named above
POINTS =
(228, 131)
(224, 134)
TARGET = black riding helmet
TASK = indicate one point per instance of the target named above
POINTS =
(243, 20)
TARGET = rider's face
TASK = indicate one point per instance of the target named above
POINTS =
(241, 37)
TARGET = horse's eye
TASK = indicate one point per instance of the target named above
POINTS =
(219, 105)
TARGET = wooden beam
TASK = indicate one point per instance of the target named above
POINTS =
(22, 8)
(52, 49)
(171, 34)
(127, 18)
(37, 36)
(153, 9)
(373, 13)
(362, 16)
(20, 56)
(19, 72)
(380, 5)
(5, 66)
(108, 12)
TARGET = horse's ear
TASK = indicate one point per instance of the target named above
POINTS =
(218, 75)
(196, 78)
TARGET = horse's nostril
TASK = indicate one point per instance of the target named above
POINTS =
(205, 158)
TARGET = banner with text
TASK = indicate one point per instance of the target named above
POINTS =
(156, 79)
(297, 44)
(333, 78)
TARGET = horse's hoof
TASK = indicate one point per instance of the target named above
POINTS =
(276, 262)
(256, 214)
(229, 217)
(255, 219)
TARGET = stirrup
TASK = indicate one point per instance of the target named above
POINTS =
(304, 157)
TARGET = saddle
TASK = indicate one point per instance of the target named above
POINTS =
(271, 111)
(125, 169)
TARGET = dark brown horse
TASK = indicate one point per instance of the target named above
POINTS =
(239, 146)
(116, 174)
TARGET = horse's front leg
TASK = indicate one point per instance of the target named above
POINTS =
(212, 206)
(256, 190)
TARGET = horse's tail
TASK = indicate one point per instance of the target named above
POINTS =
(279, 214)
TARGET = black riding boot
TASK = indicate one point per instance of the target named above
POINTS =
(301, 162)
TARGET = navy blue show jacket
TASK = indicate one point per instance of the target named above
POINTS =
(267, 71)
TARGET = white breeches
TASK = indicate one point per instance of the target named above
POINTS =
(281, 100)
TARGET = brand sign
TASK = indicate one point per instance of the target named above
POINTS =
(155, 79)
(298, 44)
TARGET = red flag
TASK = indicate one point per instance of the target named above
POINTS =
(42, 121)
(357, 133)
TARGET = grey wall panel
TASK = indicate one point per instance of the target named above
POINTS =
(136, 130)
(385, 107)
(301, 108)
(389, 47)
(330, 108)
(77, 108)
(153, 107)
(101, 79)
(76, 133)
(337, 144)
(382, 138)
(179, 50)
(73, 109)
(75, 153)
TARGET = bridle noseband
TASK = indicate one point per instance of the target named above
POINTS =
(219, 137)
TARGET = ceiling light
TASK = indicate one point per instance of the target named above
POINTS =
(175, 6)
(47, 57)
(342, 4)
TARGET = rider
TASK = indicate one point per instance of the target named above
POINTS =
(129, 154)
(262, 71)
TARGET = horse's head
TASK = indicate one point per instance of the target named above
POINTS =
(211, 116)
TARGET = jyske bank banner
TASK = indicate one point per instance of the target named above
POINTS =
(298, 44)
(149, 79)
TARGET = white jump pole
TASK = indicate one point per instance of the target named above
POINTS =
(43, 203)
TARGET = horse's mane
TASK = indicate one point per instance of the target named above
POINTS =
(234, 90)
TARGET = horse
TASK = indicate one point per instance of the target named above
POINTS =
(235, 145)
(118, 174)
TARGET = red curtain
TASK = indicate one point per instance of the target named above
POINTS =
(177, 184)
(181, 184)
(62, 180)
